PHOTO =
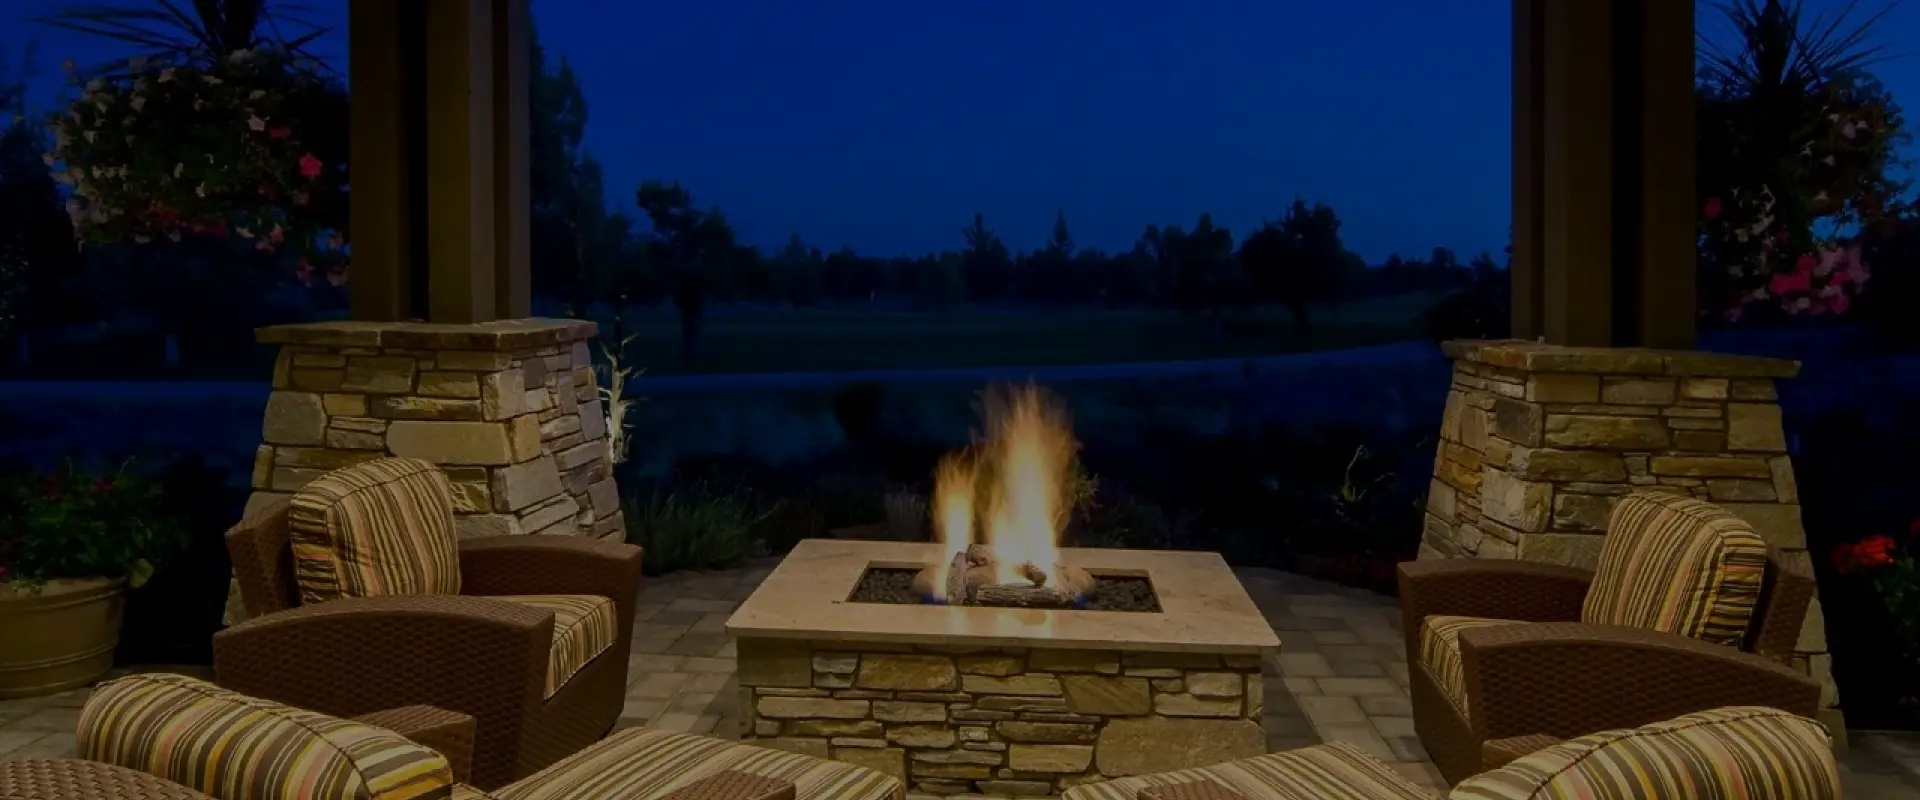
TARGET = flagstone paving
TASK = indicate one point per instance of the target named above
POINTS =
(1342, 676)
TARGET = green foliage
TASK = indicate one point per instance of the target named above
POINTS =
(698, 526)
(69, 524)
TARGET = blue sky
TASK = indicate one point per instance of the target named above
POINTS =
(886, 125)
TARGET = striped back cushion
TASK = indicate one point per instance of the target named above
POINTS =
(382, 527)
(236, 747)
(1746, 752)
(1677, 565)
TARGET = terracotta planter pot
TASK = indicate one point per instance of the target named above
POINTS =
(59, 637)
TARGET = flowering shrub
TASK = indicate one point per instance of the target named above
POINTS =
(250, 148)
(1771, 224)
(1890, 567)
(69, 524)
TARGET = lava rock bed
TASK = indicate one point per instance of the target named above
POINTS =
(894, 586)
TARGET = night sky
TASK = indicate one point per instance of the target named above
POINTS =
(885, 125)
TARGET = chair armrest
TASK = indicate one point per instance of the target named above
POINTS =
(734, 785)
(507, 565)
(1569, 679)
(1497, 753)
(74, 779)
(449, 733)
(361, 655)
(1528, 591)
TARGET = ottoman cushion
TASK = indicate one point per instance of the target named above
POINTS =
(640, 763)
(1311, 773)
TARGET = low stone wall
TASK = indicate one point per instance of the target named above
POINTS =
(999, 721)
(1537, 441)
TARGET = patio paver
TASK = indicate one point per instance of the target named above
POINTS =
(1341, 676)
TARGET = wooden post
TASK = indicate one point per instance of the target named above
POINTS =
(440, 188)
(1577, 217)
(382, 224)
(1668, 198)
(460, 161)
(513, 199)
(1524, 265)
(1603, 184)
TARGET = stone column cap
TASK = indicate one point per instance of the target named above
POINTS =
(499, 336)
(1528, 356)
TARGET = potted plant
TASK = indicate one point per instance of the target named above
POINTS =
(71, 545)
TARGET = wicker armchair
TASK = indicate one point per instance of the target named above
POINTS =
(513, 648)
(1688, 610)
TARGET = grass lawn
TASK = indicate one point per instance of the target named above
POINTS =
(820, 340)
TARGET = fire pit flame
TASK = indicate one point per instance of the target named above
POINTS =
(1013, 485)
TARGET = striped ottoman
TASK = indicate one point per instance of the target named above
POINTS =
(1335, 770)
(645, 764)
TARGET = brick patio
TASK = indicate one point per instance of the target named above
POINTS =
(1341, 676)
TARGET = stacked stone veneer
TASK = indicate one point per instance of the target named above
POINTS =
(1000, 721)
(509, 409)
(1537, 442)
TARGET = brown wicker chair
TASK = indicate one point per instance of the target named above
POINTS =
(1557, 676)
(470, 653)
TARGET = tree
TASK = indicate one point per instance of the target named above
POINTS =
(984, 263)
(691, 246)
(1205, 280)
(1298, 261)
(1050, 275)
(36, 238)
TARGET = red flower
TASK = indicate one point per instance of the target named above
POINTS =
(1713, 207)
(102, 485)
(1913, 528)
(1874, 551)
(309, 166)
(1790, 282)
(279, 133)
(1806, 263)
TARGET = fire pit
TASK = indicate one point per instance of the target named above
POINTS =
(1007, 665)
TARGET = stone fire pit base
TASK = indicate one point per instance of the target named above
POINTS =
(1009, 721)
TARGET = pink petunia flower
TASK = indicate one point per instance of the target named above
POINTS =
(309, 166)
(279, 133)
(1789, 282)
(1713, 207)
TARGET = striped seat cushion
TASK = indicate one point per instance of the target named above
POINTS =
(641, 762)
(1677, 565)
(236, 747)
(1752, 753)
(1440, 652)
(1337, 770)
(584, 626)
(383, 527)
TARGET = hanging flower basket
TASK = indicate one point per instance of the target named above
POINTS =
(250, 148)
(1779, 231)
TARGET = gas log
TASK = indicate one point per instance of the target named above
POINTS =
(970, 580)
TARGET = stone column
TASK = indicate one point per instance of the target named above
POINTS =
(1537, 441)
(511, 410)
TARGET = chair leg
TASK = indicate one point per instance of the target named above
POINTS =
(1446, 735)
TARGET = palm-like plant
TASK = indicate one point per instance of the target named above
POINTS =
(1778, 49)
(200, 31)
